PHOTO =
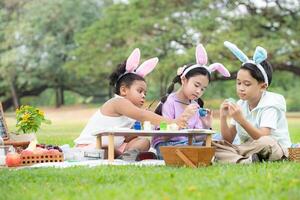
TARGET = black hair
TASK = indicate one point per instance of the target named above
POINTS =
(118, 78)
(194, 72)
(256, 73)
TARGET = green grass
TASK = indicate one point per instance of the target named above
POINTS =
(257, 181)
(279, 180)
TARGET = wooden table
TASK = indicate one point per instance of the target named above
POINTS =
(190, 133)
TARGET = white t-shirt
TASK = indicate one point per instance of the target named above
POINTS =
(99, 122)
(269, 113)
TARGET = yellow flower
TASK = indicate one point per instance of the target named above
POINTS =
(41, 112)
(25, 117)
(29, 118)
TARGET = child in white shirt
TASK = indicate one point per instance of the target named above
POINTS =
(258, 118)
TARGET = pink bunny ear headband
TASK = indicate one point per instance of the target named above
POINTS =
(201, 61)
(132, 64)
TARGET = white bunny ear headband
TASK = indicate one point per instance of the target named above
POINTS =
(132, 64)
(260, 55)
(201, 61)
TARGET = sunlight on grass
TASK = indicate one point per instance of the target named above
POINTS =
(279, 180)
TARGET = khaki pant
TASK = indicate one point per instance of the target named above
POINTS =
(266, 148)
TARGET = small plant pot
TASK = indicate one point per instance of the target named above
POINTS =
(20, 140)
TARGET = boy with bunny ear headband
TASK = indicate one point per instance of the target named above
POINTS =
(258, 118)
(194, 80)
(125, 108)
(259, 55)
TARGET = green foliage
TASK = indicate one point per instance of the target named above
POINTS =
(29, 119)
(75, 45)
(47, 98)
(37, 35)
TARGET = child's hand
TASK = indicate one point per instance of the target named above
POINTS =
(189, 111)
(207, 120)
(224, 109)
(235, 112)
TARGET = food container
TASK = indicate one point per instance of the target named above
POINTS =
(94, 154)
(4, 150)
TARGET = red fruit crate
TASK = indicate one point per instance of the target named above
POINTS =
(41, 158)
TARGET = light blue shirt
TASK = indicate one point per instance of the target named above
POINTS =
(270, 113)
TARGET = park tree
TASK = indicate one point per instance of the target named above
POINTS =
(75, 48)
(170, 30)
(159, 28)
(36, 37)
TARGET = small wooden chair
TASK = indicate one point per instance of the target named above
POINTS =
(12, 138)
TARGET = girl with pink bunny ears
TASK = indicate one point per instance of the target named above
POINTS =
(194, 80)
(125, 108)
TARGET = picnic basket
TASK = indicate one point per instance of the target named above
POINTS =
(41, 158)
(191, 156)
(294, 154)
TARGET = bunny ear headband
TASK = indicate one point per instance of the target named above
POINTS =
(260, 55)
(201, 60)
(132, 64)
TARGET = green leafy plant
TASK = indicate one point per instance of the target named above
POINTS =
(30, 119)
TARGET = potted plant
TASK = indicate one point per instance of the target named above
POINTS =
(30, 119)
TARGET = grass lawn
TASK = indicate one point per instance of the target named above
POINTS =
(280, 180)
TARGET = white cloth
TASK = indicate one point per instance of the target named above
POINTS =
(98, 123)
(269, 113)
(95, 163)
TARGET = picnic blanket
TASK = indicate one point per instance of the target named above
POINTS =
(95, 163)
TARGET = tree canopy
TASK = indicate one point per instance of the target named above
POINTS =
(75, 45)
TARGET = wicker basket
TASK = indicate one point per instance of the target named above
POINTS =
(191, 156)
(41, 158)
(294, 154)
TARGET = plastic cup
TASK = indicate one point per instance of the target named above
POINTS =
(147, 126)
(163, 126)
(137, 125)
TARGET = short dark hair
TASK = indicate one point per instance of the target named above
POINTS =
(118, 78)
(256, 73)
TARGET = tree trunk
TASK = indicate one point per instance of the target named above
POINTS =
(62, 96)
(59, 97)
(15, 98)
(7, 103)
